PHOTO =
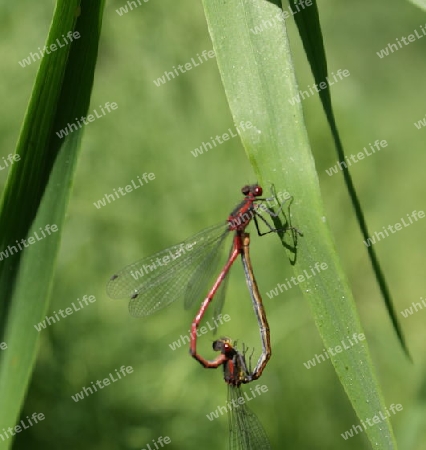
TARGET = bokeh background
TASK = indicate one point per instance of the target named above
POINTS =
(154, 130)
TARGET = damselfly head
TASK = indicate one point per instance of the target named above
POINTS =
(223, 345)
(253, 189)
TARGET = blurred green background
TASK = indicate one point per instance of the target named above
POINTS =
(154, 130)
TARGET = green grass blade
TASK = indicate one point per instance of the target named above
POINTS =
(258, 77)
(413, 427)
(420, 3)
(307, 21)
(37, 194)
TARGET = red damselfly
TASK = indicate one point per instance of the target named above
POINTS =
(185, 269)
(258, 309)
(245, 430)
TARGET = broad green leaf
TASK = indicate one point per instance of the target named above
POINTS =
(420, 3)
(259, 80)
(37, 193)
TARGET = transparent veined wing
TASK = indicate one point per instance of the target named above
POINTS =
(158, 280)
(245, 430)
(203, 274)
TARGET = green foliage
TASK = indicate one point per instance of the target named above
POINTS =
(36, 195)
(154, 130)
